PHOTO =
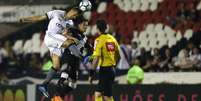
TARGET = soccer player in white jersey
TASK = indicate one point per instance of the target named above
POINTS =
(70, 74)
(57, 38)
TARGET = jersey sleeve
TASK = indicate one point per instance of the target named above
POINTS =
(55, 13)
(97, 48)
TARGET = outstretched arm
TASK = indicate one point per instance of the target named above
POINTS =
(33, 19)
(93, 69)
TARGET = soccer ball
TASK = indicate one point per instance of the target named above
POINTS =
(85, 5)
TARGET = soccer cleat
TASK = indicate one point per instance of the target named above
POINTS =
(56, 98)
(43, 89)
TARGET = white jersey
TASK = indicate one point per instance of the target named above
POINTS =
(54, 38)
(57, 22)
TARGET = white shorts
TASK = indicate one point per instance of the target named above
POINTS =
(54, 43)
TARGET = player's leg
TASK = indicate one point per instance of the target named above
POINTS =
(70, 74)
(56, 52)
(73, 73)
(56, 66)
(52, 43)
(51, 73)
(100, 86)
(106, 98)
(98, 96)
(98, 93)
(64, 87)
(107, 95)
(107, 84)
(66, 58)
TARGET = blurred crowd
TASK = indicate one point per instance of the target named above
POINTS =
(185, 58)
(187, 15)
(164, 60)
(11, 60)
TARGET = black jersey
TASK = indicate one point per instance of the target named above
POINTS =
(83, 45)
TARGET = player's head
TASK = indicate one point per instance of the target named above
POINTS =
(72, 12)
(101, 26)
(81, 23)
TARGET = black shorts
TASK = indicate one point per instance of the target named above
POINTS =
(73, 65)
(106, 79)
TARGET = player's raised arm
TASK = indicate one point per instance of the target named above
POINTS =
(33, 19)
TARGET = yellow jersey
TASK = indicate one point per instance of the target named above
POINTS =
(107, 49)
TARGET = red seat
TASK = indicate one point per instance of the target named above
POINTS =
(127, 22)
(94, 16)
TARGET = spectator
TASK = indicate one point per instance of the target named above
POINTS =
(182, 13)
(135, 52)
(148, 65)
(156, 60)
(155, 52)
(190, 47)
(126, 49)
(145, 60)
(9, 56)
(192, 13)
(123, 62)
(183, 62)
(166, 62)
(35, 63)
(3, 79)
(135, 74)
(196, 57)
(155, 64)
(144, 56)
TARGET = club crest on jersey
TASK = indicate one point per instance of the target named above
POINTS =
(110, 46)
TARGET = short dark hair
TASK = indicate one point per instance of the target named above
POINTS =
(74, 8)
(101, 25)
(79, 19)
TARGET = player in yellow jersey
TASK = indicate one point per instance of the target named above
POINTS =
(105, 55)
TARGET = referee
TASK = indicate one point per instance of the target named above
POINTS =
(105, 55)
